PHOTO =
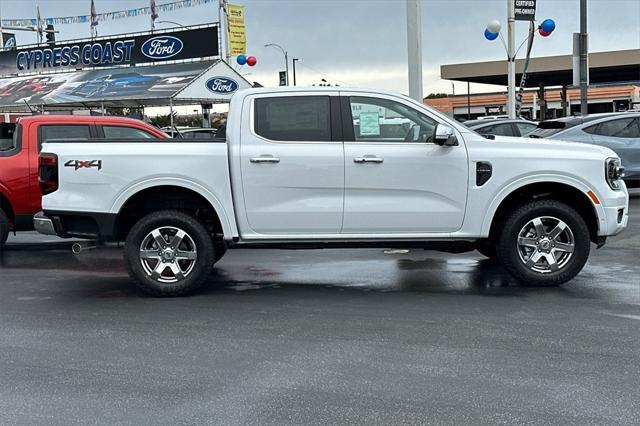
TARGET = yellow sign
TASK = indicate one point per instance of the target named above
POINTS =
(237, 33)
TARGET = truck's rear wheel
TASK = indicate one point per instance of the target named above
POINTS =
(169, 253)
(4, 228)
(544, 243)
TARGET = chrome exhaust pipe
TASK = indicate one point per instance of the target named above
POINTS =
(78, 248)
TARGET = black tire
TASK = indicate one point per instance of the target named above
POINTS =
(220, 248)
(198, 242)
(509, 250)
(487, 249)
(4, 228)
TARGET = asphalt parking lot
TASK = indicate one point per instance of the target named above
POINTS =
(319, 337)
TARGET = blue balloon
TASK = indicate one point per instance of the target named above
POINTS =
(241, 59)
(548, 25)
(489, 35)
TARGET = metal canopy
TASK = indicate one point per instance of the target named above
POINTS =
(604, 67)
(182, 83)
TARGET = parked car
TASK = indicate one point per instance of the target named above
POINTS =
(617, 131)
(311, 168)
(197, 133)
(493, 117)
(126, 83)
(502, 127)
(20, 196)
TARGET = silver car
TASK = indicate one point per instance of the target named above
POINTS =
(501, 127)
(618, 131)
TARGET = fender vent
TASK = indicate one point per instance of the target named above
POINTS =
(484, 170)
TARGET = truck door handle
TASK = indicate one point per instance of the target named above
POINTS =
(265, 159)
(368, 159)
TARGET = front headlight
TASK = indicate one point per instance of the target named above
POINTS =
(614, 172)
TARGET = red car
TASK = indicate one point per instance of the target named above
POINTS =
(20, 196)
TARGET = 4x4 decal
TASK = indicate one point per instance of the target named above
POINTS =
(82, 164)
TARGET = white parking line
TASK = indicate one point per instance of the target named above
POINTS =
(634, 317)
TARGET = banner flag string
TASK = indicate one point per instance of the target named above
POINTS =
(108, 16)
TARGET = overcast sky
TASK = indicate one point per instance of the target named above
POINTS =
(363, 42)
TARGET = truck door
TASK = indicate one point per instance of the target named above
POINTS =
(397, 181)
(292, 163)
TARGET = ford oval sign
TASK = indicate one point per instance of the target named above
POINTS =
(162, 47)
(222, 85)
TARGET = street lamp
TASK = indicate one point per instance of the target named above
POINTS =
(286, 59)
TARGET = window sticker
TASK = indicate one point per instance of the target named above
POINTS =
(369, 124)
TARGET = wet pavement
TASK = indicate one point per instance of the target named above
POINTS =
(319, 337)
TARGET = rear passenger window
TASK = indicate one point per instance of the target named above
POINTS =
(62, 131)
(121, 132)
(623, 128)
(293, 118)
(7, 137)
(503, 129)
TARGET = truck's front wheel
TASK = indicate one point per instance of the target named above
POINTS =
(4, 228)
(169, 253)
(544, 243)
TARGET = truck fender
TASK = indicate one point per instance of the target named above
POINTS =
(227, 227)
(521, 182)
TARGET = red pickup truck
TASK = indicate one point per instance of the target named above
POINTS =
(20, 195)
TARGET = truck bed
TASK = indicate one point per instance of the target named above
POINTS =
(117, 169)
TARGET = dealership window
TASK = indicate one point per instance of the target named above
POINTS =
(120, 132)
(62, 131)
(382, 120)
(293, 118)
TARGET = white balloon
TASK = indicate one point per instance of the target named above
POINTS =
(494, 26)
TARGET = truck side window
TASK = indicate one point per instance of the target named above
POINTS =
(122, 132)
(382, 120)
(62, 131)
(10, 139)
(7, 137)
(293, 118)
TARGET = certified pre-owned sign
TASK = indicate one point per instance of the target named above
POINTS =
(162, 47)
(524, 10)
(222, 85)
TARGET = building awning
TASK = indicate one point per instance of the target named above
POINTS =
(156, 85)
(604, 67)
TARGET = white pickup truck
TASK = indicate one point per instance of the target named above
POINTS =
(333, 167)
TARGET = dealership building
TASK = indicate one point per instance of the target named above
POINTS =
(614, 79)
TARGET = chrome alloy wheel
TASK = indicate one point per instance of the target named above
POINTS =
(545, 244)
(168, 254)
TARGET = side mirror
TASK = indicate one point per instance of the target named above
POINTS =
(444, 136)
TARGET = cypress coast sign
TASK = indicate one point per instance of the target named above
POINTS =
(108, 51)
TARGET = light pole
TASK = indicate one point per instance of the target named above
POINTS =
(584, 56)
(293, 61)
(286, 59)
(511, 57)
(414, 49)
